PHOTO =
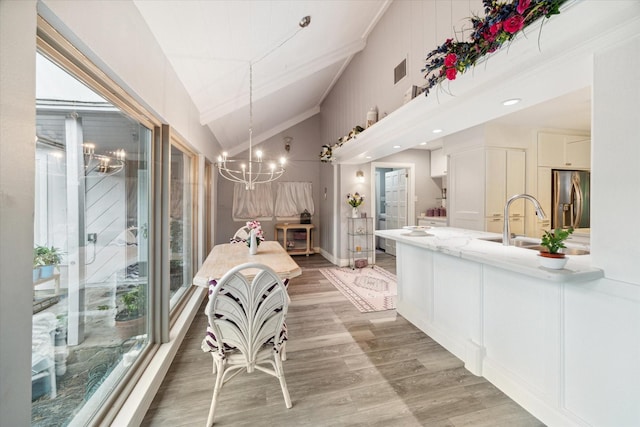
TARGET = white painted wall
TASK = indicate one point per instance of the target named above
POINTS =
(17, 174)
(409, 29)
(615, 153)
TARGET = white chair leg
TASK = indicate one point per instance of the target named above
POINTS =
(283, 383)
(216, 392)
(283, 351)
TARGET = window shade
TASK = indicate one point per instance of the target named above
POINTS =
(252, 204)
(292, 198)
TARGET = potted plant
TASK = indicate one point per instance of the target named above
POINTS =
(553, 242)
(46, 259)
(130, 318)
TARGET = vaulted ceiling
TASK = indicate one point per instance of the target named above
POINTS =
(211, 44)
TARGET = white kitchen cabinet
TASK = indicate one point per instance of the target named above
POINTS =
(495, 225)
(438, 163)
(578, 153)
(478, 203)
(505, 177)
(466, 189)
(564, 151)
(544, 197)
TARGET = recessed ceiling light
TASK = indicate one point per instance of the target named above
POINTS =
(368, 157)
(513, 101)
(396, 146)
(423, 143)
(437, 130)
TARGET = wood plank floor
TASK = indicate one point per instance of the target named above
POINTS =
(344, 368)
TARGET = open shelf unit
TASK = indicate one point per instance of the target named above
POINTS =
(360, 240)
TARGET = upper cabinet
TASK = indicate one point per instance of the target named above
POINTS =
(564, 151)
(482, 180)
(438, 163)
(504, 177)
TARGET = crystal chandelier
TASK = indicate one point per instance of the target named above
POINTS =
(102, 164)
(254, 170)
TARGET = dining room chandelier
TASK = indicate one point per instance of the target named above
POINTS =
(254, 170)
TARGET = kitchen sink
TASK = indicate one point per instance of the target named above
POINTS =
(526, 244)
(517, 243)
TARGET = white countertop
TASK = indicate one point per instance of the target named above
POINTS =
(466, 244)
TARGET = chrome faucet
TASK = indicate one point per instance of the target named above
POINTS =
(506, 232)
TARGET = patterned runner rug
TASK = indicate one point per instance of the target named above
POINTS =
(369, 289)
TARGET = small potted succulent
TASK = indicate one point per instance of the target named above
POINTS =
(553, 242)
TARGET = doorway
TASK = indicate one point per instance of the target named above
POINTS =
(393, 188)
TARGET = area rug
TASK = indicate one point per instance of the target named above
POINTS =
(369, 289)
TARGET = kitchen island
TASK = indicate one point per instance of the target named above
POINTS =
(493, 307)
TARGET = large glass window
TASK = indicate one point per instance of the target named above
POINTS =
(91, 312)
(181, 223)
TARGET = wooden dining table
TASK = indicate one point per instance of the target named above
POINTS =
(224, 257)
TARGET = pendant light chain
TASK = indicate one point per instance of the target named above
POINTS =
(263, 171)
(250, 120)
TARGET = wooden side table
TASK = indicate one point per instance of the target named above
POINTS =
(294, 244)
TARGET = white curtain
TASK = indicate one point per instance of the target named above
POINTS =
(292, 198)
(252, 204)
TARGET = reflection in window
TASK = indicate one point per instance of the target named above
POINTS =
(181, 223)
(91, 313)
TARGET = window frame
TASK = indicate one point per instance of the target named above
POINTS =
(51, 44)
(176, 141)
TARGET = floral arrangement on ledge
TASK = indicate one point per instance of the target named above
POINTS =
(326, 153)
(355, 199)
(501, 24)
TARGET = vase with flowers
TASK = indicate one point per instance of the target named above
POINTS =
(256, 236)
(354, 200)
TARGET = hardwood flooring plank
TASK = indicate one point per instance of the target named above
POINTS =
(343, 368)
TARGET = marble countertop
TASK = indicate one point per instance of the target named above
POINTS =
(467, 244)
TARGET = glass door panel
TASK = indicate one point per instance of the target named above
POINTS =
(91, 312)
(181, 222)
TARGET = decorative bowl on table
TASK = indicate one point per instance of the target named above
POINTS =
(416, 230)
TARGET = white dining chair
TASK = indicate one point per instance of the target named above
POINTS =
(241, 235)
(246, 329)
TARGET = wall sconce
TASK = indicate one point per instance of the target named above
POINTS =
(360, 176)
(287, 143)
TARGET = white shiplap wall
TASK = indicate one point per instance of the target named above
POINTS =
(409, 29)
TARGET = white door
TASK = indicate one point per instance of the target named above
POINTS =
(396, 203)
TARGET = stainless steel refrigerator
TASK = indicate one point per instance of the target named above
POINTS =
(570, 202)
